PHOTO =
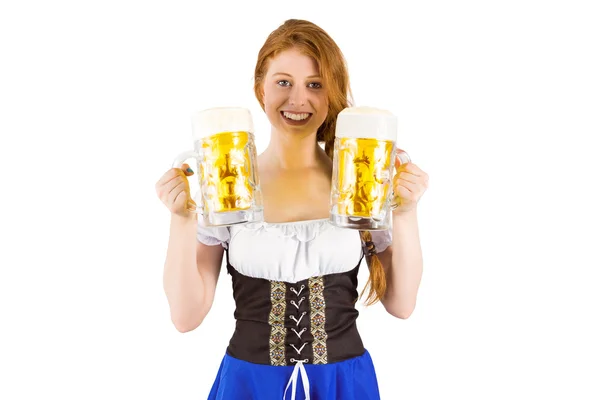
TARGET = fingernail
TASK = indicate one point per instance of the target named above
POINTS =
(189, 170)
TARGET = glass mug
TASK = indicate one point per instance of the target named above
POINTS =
(363, 166)
(225, 156)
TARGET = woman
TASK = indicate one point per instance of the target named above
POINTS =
(295, 275)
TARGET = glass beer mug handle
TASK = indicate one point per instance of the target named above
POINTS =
(178, 163)
(404, 158)
(252, 176)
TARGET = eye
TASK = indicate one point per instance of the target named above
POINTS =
(284, 83)
(315, 85)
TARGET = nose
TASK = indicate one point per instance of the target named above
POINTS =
(298, 95)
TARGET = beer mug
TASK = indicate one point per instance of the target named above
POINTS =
(363, 168)
(225, 157)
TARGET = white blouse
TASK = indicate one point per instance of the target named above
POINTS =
(291, 251)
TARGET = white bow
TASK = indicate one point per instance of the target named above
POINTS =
(294, 378)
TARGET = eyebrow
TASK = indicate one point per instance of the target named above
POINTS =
(286, 74)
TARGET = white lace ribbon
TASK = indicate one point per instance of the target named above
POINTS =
(299, 367)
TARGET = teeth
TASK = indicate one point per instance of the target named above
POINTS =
(296, 117)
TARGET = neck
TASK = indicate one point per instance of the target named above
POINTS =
(293, 151)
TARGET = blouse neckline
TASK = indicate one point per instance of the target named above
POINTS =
(299, 222)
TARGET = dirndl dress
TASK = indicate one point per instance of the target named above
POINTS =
(295, 288)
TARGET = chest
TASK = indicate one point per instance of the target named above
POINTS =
(295, 196)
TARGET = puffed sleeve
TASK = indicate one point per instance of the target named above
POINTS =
(212, 235)
(381, 239)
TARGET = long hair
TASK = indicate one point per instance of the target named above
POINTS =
(314, 42)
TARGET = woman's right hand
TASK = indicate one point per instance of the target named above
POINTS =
(173, 189)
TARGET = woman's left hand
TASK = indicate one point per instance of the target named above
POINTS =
(409, 184)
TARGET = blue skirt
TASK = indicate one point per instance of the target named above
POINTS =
(352, 379)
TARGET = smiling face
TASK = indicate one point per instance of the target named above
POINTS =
(295, 100)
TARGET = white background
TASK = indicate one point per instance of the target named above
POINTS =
(498, 101)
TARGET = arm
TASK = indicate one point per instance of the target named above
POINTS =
(403, 265)
(190, 274)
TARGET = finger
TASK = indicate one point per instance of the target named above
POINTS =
(402, 195)
(414, 169)
(181, 185)
(401, 158)
(411, 187)
(187, 170)
(405, 195)
(168, 176)
(183, 204)
(166, 188)
(411, 168)
(407, 176)
(179, 202)
(176, 191)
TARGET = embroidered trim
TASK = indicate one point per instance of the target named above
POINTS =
(276, 320)
(317, 319)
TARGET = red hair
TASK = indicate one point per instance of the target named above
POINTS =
(314, 42)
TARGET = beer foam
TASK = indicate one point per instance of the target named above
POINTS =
(221, 119)
(366, 122)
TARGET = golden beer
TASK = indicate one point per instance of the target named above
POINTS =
(363, 183)
(226, 172)
(226, 162)
(363, 166)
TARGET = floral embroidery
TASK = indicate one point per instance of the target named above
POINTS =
(276, 320)
(317, 319)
